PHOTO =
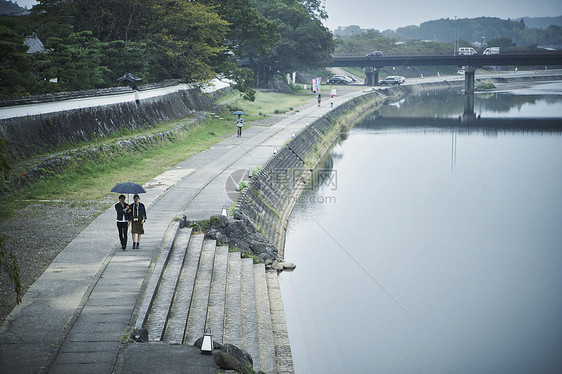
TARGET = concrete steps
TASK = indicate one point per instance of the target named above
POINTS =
(200, 286)
(158, 317)
(175, 330)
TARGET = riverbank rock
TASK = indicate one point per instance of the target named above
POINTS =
(230, 357)
(279, 265)
(237, 233)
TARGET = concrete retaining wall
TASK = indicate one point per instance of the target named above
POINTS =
(35, 134)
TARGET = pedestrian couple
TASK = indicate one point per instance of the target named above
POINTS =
(133, 215)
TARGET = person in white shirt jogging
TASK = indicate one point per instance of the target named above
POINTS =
(239, 123)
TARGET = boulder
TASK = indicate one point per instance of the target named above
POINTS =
(277, 266)
(289, 266)
(230, 357)
(237, 233)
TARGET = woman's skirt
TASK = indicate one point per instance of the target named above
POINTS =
(137, 227)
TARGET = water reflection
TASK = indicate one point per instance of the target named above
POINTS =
(450, 104)
(474, 256)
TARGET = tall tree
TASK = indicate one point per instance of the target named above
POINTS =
(190, 35)
(16, 76)
(250, 36)
(305, 42)
(75, 61)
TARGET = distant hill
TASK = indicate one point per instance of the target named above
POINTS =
(473, 30)
(8, 7)
(541, 22)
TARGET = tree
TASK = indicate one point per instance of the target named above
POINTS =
(503, 43)
(190, 36)
(75, 61)
(16, 74)
(250, 36)
(114, 19)
(305, 42)
(315, 8)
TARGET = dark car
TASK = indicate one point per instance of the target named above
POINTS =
(375, 54)
(337, 80)
(391, 80)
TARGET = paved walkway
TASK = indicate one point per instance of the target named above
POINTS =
(74, 317)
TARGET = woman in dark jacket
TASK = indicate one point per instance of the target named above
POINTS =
(123, 220)
(137, 213)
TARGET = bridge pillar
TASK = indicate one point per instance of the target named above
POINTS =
(371, 76)
(469, 114)
(469, 79)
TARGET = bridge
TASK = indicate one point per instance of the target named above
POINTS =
(372, 64)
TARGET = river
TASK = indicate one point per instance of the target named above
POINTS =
(427, 246)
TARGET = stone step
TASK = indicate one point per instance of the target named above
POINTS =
(200, 299)
(177, 321)
(232, 307)
(156, 275)
(217, 297)
(158, 314)
(267, 359)
(280, 334)
(248, 315)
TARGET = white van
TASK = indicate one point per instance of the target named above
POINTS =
(467, 51)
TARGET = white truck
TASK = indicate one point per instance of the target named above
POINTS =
(491, 51)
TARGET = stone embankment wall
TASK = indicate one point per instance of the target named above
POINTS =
(36, 134)
(269, 199)
(272, 193)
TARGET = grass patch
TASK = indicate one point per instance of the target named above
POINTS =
(252, 256)
(486, 85)
(91, 178)
(268, 103)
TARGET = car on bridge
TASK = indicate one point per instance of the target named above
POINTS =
(374, 54)
(391, 80)
(467, 51)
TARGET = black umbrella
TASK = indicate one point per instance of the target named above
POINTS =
(128, 187)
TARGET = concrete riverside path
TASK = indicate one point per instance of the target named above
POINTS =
(74, 318)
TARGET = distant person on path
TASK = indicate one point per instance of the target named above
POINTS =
(123, 220)
(331, 102)
(319, 100)
(138, 217)
(239, 123)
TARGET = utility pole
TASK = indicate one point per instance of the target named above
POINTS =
(455, 46)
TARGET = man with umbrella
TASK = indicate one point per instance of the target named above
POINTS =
(123, 220)
(239, 122)
(135, 213)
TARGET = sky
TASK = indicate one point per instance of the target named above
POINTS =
(382, 15)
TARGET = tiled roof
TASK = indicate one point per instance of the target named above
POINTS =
(34, 44)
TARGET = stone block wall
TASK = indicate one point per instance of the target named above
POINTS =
(35, 134)
(269, 199)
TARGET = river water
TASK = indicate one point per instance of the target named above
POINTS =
(427, 246)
